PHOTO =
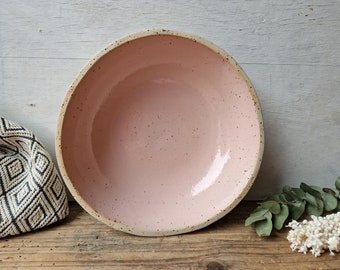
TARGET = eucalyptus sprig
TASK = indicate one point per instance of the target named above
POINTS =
(292, 203)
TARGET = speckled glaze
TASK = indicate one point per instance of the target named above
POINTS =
(160, 134)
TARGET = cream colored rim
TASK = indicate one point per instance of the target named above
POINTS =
(123, 227)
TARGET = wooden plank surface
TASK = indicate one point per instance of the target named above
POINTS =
(82, 242)
(289, 49)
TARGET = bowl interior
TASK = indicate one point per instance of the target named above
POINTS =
(161, 134)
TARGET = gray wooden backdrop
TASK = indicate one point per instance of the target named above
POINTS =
(289, 49)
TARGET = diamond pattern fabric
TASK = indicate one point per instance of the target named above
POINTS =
(32, 194)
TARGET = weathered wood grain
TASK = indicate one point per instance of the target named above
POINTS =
(289, 49)
(84, 243)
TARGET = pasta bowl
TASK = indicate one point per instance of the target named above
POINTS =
(160, 134)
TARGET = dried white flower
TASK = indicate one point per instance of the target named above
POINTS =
(316, 235)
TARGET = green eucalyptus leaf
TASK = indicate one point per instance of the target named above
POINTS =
(314, 209)
(311, 200)
(328, 197)
(275, 197)
(293, 202)
(330, 202)
(320, 204)
(271, 205)
(287, 191)
(319, 189)
(335, 193)
(264, 227)
(280, 218)
(293, 194)
(298, 193)
(337, 183)
(338, 207)
(256, 216)
(286, 188)
(283, 198)
(310, 190)
(297, 209)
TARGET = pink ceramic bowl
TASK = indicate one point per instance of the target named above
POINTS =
(160, 134)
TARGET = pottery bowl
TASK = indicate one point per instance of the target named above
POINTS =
(160, 134)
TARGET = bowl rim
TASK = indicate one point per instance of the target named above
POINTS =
(58, 139)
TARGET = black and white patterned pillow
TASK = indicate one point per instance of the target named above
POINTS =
(32, 194)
